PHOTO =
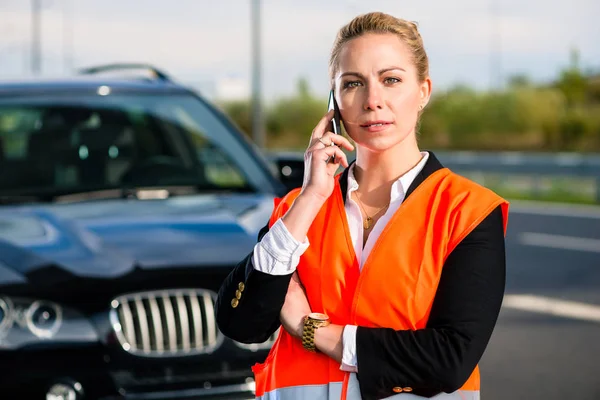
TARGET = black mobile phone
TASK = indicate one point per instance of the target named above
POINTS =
(335, 125)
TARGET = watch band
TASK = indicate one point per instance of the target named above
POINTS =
(312, 322)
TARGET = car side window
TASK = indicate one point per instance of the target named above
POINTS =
(15, 125)
(218, 167)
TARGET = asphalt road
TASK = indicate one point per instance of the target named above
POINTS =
(547, 341)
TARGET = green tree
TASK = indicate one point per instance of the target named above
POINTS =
(572, 81)
(519, 81)
(558, 117)
(240, 112)
(290, 120)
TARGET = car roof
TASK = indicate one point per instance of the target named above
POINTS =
(88, 83)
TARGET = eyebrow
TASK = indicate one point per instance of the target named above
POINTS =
(380, 72)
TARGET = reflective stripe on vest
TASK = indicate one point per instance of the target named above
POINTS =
(312, 392)
(421, 234)
(334, 391)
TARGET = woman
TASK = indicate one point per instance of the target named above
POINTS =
(387, 278)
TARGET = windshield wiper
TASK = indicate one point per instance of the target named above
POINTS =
(83, 195)
(20, 199)
(150, 192)
(56, 195)
(142, 192)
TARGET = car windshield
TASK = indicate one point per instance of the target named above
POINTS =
(63, 144)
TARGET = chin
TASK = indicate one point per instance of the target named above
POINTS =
(381, 143)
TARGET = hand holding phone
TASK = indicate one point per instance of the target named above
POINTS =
(326, 144)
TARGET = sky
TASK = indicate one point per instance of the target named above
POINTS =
(479, 43)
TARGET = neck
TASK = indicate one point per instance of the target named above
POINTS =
(378, 170)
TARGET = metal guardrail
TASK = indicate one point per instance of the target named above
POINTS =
(524, 163)
(536, 166)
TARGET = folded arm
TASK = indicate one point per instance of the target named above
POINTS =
(441, 357)
(264, 276)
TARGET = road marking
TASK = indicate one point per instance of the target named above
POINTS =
(560, 241)
(555, 210)
(547, 305)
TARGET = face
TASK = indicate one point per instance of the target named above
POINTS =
(378, 91)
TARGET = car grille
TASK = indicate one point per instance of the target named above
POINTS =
(166, 322)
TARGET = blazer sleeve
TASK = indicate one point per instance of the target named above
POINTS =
(442, 356)
(255, 315)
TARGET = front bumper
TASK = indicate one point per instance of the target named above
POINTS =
(115, 374)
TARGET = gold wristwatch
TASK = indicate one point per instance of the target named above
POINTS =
(311, 322)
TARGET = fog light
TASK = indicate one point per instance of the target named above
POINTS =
(65, 391)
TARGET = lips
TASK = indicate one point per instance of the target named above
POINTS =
(370, 124)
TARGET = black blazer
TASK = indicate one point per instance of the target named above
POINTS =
(439, 358)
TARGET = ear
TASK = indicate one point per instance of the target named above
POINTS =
(425, 91)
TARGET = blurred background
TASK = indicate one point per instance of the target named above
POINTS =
(515, 106)
(507, 75)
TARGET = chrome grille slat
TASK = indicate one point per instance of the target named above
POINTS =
(143, 324)
(166, 322)
(197, 321)
(157, 323)
(171, 328)
(183, 317)
(210, 322)
(128, 328)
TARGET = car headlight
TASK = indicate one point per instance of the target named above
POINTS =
(43, 318)
(5, 314)
(26, 321)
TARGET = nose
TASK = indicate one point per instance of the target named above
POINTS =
(373, 100)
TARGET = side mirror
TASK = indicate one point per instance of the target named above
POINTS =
(290, 168)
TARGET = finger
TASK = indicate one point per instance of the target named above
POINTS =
(325, 154)
(321, 126)
(338, 158)
(320, 143)
(330, 139)
(338, 140)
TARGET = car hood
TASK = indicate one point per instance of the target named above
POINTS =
(110, 238)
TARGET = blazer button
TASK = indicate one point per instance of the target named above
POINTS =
(238, 294)
(398, 389)
(241, 286)
(407, 389)
(234, 303)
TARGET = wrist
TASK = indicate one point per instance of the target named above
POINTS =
(310, 202)
(301, 215)
(329, 341)
(300, 329)
(311, 197)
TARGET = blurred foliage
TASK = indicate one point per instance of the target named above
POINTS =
(561, 116)
(288, 122)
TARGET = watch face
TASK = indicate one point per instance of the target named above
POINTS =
(318, 316)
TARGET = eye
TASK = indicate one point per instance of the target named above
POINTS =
(392, 80)
(351, 84)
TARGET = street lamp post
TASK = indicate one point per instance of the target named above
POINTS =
(258, 132)
(496, 76)
(36, 58)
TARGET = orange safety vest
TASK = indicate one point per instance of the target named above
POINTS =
(441, 211)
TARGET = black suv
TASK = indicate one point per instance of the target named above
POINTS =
(124, 203)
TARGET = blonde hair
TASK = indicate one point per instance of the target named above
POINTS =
(378, 22)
